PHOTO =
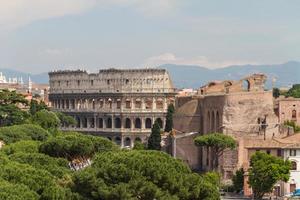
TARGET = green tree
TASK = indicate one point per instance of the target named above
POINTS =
(46, 119)
(12, 191)
(238, 180)
(265, 171)
(10, 108)
(73, 145)
(143, 175)
(218, 142)
(25, 146)
(138, 146)
(294, 91)
(169, 118)
(155, 137)
(276, 93)
(36, 106)
(65, 120)
(293, 125)
(16, 133)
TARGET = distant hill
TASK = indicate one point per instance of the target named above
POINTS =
(187, 76)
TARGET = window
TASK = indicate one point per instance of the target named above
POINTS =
(279, 152)
(148, 123)
(117, 122)
(294, 114)
(268, 152)
(108, 82)
(128, 104)
(78, 82)
(293, 165)
(293, 152)
(92, 82)
(127, 123)
(127, 81)
(118, 104)
(137, 123)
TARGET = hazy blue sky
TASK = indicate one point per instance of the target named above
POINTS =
(41, 35)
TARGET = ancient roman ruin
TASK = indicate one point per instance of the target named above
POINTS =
(120, 104)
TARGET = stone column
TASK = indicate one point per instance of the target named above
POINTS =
(143, 103)
(165, 104)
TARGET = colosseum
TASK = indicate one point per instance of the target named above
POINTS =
(120, 104)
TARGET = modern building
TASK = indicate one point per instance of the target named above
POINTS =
(120, 104)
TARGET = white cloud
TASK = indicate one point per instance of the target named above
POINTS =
(16, 13)
(170, 58)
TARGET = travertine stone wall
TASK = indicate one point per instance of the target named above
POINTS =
(121, 105)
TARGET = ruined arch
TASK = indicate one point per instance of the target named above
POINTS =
(138, 123)
(118, 140)
(118, 122)
(246, 85)
(109, 123)
(148, 123)
(127, 123)
(100, 123)
(127, 142)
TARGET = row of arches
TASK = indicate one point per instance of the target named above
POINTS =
(126, 142)
(213, 121)
(110, 103)
(117, 122)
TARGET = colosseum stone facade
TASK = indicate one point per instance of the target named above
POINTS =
(120, 104)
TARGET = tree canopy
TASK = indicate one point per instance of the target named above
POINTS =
(11, 134)
(144, 175)
(265, 171)
(218, 142)
(294, 91)
(10, 111)
(46, 119)
(36, 106)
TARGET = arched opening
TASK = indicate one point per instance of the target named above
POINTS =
(148, 123)
(127, 142)
(118, 140)
(160, 123)
(208, 121)
(100, 123)
(212, 126)
(84, 123)
(78, 122)
(138, 139)
(137, 123)
(218, 129)
(117, 122)
(293, 165)
(246, 85)
(91, 122)
(127, 123)
(108, 123)
(294, 114)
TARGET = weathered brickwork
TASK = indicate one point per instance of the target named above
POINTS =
(231, 108)
(289, 110)
(121, 105)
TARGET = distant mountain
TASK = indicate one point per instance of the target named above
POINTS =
(188, 76)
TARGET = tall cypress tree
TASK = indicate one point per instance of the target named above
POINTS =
(155, 137)
(169, 118)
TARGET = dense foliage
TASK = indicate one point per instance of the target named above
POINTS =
(36, 106)
(238, 180)
(10, 111)
(265, 171)
(22, 132)
(73, 145)
(294, 91)
(155, 137)
(217, 142)
(143, 175)
(169, 118)
(65, 120)
(46, 119)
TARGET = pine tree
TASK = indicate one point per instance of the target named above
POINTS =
(169, 118)
(155, 137)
